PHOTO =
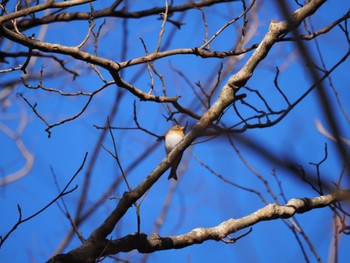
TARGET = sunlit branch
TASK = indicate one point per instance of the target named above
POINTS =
(145, 244)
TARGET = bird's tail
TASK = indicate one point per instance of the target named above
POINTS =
(174, 168)
(172, 174)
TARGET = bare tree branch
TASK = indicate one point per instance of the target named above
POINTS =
(144, 244)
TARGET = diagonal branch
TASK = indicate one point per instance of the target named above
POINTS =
(225, 99)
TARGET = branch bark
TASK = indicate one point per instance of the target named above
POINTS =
(90, 251)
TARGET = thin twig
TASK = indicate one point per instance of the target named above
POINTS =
(61, 194)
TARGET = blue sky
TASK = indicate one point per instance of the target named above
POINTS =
(200, 199)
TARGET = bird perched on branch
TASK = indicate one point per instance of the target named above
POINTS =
(172, 138)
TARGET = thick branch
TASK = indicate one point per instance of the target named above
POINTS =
(221, 231)
(199, 235)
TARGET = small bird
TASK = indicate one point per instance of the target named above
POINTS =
(172, 138)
